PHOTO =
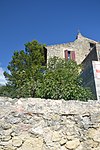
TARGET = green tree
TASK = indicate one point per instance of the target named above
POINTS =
(62, 81)
(25, 68)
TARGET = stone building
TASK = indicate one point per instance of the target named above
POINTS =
(84, 51)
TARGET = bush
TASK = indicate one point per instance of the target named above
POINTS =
(62, 81)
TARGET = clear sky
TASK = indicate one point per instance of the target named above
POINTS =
(48, 21)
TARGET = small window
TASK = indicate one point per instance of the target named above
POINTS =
(69, 55)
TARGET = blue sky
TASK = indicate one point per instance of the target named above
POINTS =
(48, 21)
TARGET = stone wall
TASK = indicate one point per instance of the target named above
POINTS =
(98, 50)
(96, 71)
(88, 72)
(39, 124)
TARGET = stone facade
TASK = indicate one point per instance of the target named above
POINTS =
(90, 79)
(82, 47)
(88, 72)
(39, 124)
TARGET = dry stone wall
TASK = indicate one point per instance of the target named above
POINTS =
(39, 124)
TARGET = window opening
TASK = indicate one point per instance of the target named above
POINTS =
(68, 54)
(92, 45)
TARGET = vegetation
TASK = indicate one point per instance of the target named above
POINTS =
(29, 76)
(62, 81)
(24, 70)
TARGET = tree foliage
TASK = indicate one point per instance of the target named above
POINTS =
(25, 69)
(62, 81)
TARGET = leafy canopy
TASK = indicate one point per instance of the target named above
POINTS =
(25, 69)
(62, 81)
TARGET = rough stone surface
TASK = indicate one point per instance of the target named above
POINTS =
(73, 144)
(16, 141)
(49, 124)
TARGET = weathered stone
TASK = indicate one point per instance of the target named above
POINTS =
(16, 141)
(80, 147)
(6, 126)
(8, 132)
(9, 148)
(24, 136)
(34, 144)
(86, 122)
(94, 134)
(14, 120)
(6, 138)
(36, 131)
(27, 145)
(91, 143)
(56, 136)
(63, 148)
(70, 137)
(60, 126)
(72, 144)
(63, 141)
(47, 137)
(98, 148)
(3, 143)
(96, 137)
(56, 117)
